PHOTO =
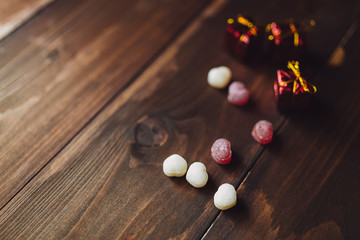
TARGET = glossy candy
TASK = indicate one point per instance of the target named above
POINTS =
(263, 132)
(175, 166)
(238, 94)
(197, 175)
(219, 77)
(225, 197)
(221, 151)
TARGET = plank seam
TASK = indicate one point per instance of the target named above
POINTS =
(141, 70)
(245, 174)
(344, 40)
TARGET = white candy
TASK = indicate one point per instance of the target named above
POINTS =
(196, 175)
(219, 77)
(175, 166)
(225, 197)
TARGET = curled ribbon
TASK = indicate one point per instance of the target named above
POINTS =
(296, 34)
(252, 29)
(250, 25)
(276, 32)
(294, 67)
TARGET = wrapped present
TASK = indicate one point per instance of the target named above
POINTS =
(292, 91)
(241, 37)
(285, 40)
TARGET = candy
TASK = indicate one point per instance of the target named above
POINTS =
(219, 77)
(174, 166)
(263, 132)
(225, 197)
(196, 175)
(238, 93)
(221, 151)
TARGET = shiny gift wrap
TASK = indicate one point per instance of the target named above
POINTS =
(284, 41)
(241, 38)
(292, 91)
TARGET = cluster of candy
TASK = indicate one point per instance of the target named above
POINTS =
(238, 94)
(244, 39)
(196, 175)
(176, 166)
(220, 78)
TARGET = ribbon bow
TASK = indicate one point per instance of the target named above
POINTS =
(276, 33)
(294, 67)
(252, 29)
(250, 25)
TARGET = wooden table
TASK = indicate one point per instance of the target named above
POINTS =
(94, 95)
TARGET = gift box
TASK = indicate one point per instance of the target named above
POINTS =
(284, 40)
(242, 38)
(292, 91)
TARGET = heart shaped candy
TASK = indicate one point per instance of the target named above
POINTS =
(219, 77)
(263, 132)
(175, 166)
(225, 197)
(197, 175)
(238, 94)
(221, 151)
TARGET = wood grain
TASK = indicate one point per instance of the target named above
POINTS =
(107, 183)
(64, 66)
(112, 186)
(15, 12)
(305, 186)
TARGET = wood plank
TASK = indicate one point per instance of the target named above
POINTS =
(15, 12)
(305, 186)
(106, 185)
(104, 173)
(65, 65)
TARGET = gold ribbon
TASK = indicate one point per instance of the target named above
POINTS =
(249, 24)
(245, 22)
(293, 30)
(308, 87)
(296, 34)
(271, 36)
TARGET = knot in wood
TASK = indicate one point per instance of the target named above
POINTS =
(151, 132)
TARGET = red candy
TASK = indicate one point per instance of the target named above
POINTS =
(263, 132)
(238, 94)
(221, 151)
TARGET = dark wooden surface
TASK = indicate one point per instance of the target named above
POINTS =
(63, 67)
(305, 185)
(16, 12)
(96, 94)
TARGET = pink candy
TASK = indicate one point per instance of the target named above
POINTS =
(221, 151)
(238, 94)
(263, 132)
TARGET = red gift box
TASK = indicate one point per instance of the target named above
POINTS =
(284, 40)
(292, 91)
(241, 37)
